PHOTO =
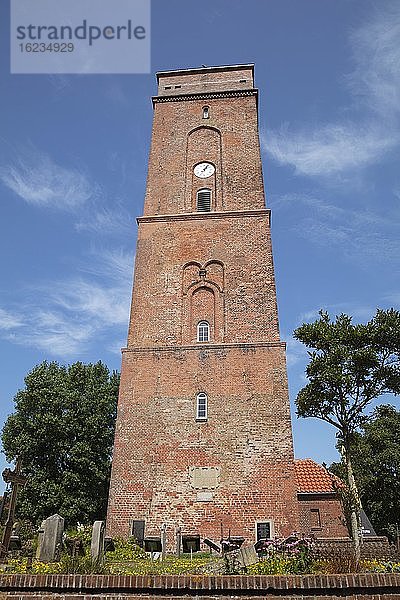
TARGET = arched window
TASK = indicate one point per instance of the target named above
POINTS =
(201, 407)
(206, 112)
(203, 200)
(203, 331)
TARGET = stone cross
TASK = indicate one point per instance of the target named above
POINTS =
(16, 479)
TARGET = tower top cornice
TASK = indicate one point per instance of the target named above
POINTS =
(205, 80)
(202, 69)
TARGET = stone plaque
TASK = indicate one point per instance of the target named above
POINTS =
(204, 496)
(204, 478)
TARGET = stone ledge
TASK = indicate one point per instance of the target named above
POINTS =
(210, 95)
(202, 346)
(190, 216)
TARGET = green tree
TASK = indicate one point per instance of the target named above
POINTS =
(350, 366)
(63, 428)
(376, 464)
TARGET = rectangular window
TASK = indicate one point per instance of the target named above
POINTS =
(315, 518)
(137, 532)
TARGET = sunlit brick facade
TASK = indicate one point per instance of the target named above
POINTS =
(203, 437)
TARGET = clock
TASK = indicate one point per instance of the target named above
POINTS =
(204, 170)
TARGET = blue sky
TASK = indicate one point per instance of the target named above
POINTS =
(73, 163)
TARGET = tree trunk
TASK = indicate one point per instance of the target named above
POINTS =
(355, 506)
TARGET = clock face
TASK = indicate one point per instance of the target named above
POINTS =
(204, 170)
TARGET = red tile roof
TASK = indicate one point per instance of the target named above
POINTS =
(312, 477)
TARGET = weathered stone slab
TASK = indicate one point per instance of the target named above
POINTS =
(97, 543)
(50, 539)
(206, 478)
(247, 556)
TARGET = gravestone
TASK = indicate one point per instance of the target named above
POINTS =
(40, 539)
(163, 540)
(247, 556)
(241, 558)
(50, 539)
(178, 541)
(97, 544)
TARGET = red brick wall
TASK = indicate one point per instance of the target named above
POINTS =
(224, 256)
(204, 80)
(376, 586)
(332, 523)
(233, 147)
(247, 435)
(245, 299)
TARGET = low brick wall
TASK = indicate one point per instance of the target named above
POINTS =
(374, 586)
(372, 547)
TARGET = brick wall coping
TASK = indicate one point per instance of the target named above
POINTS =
(258, 212)
(206, 95)
(240, 346)
(204, 585)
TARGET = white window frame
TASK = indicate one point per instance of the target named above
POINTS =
(271, 527)
(201, 406)
(202, 327)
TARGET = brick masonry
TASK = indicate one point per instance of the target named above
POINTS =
(322, 515)
(372, 586)
(215, 266)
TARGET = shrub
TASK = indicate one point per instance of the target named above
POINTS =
(294, 554)
(126, 550)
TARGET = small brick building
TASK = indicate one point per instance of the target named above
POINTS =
(320, 508)
(203, 437)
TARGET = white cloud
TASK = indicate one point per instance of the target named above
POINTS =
(55, 334)
(107, 221)
(348, 145)
(38, 180)
(9, 320)
(65, 317)
(357, 234)
(329, 150)
(112, 264)
(108, 305)
(115, 346)
(376, 48)
(118, 264)
(296, 352)
(309, 316)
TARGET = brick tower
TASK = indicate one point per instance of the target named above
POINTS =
(203, 438)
